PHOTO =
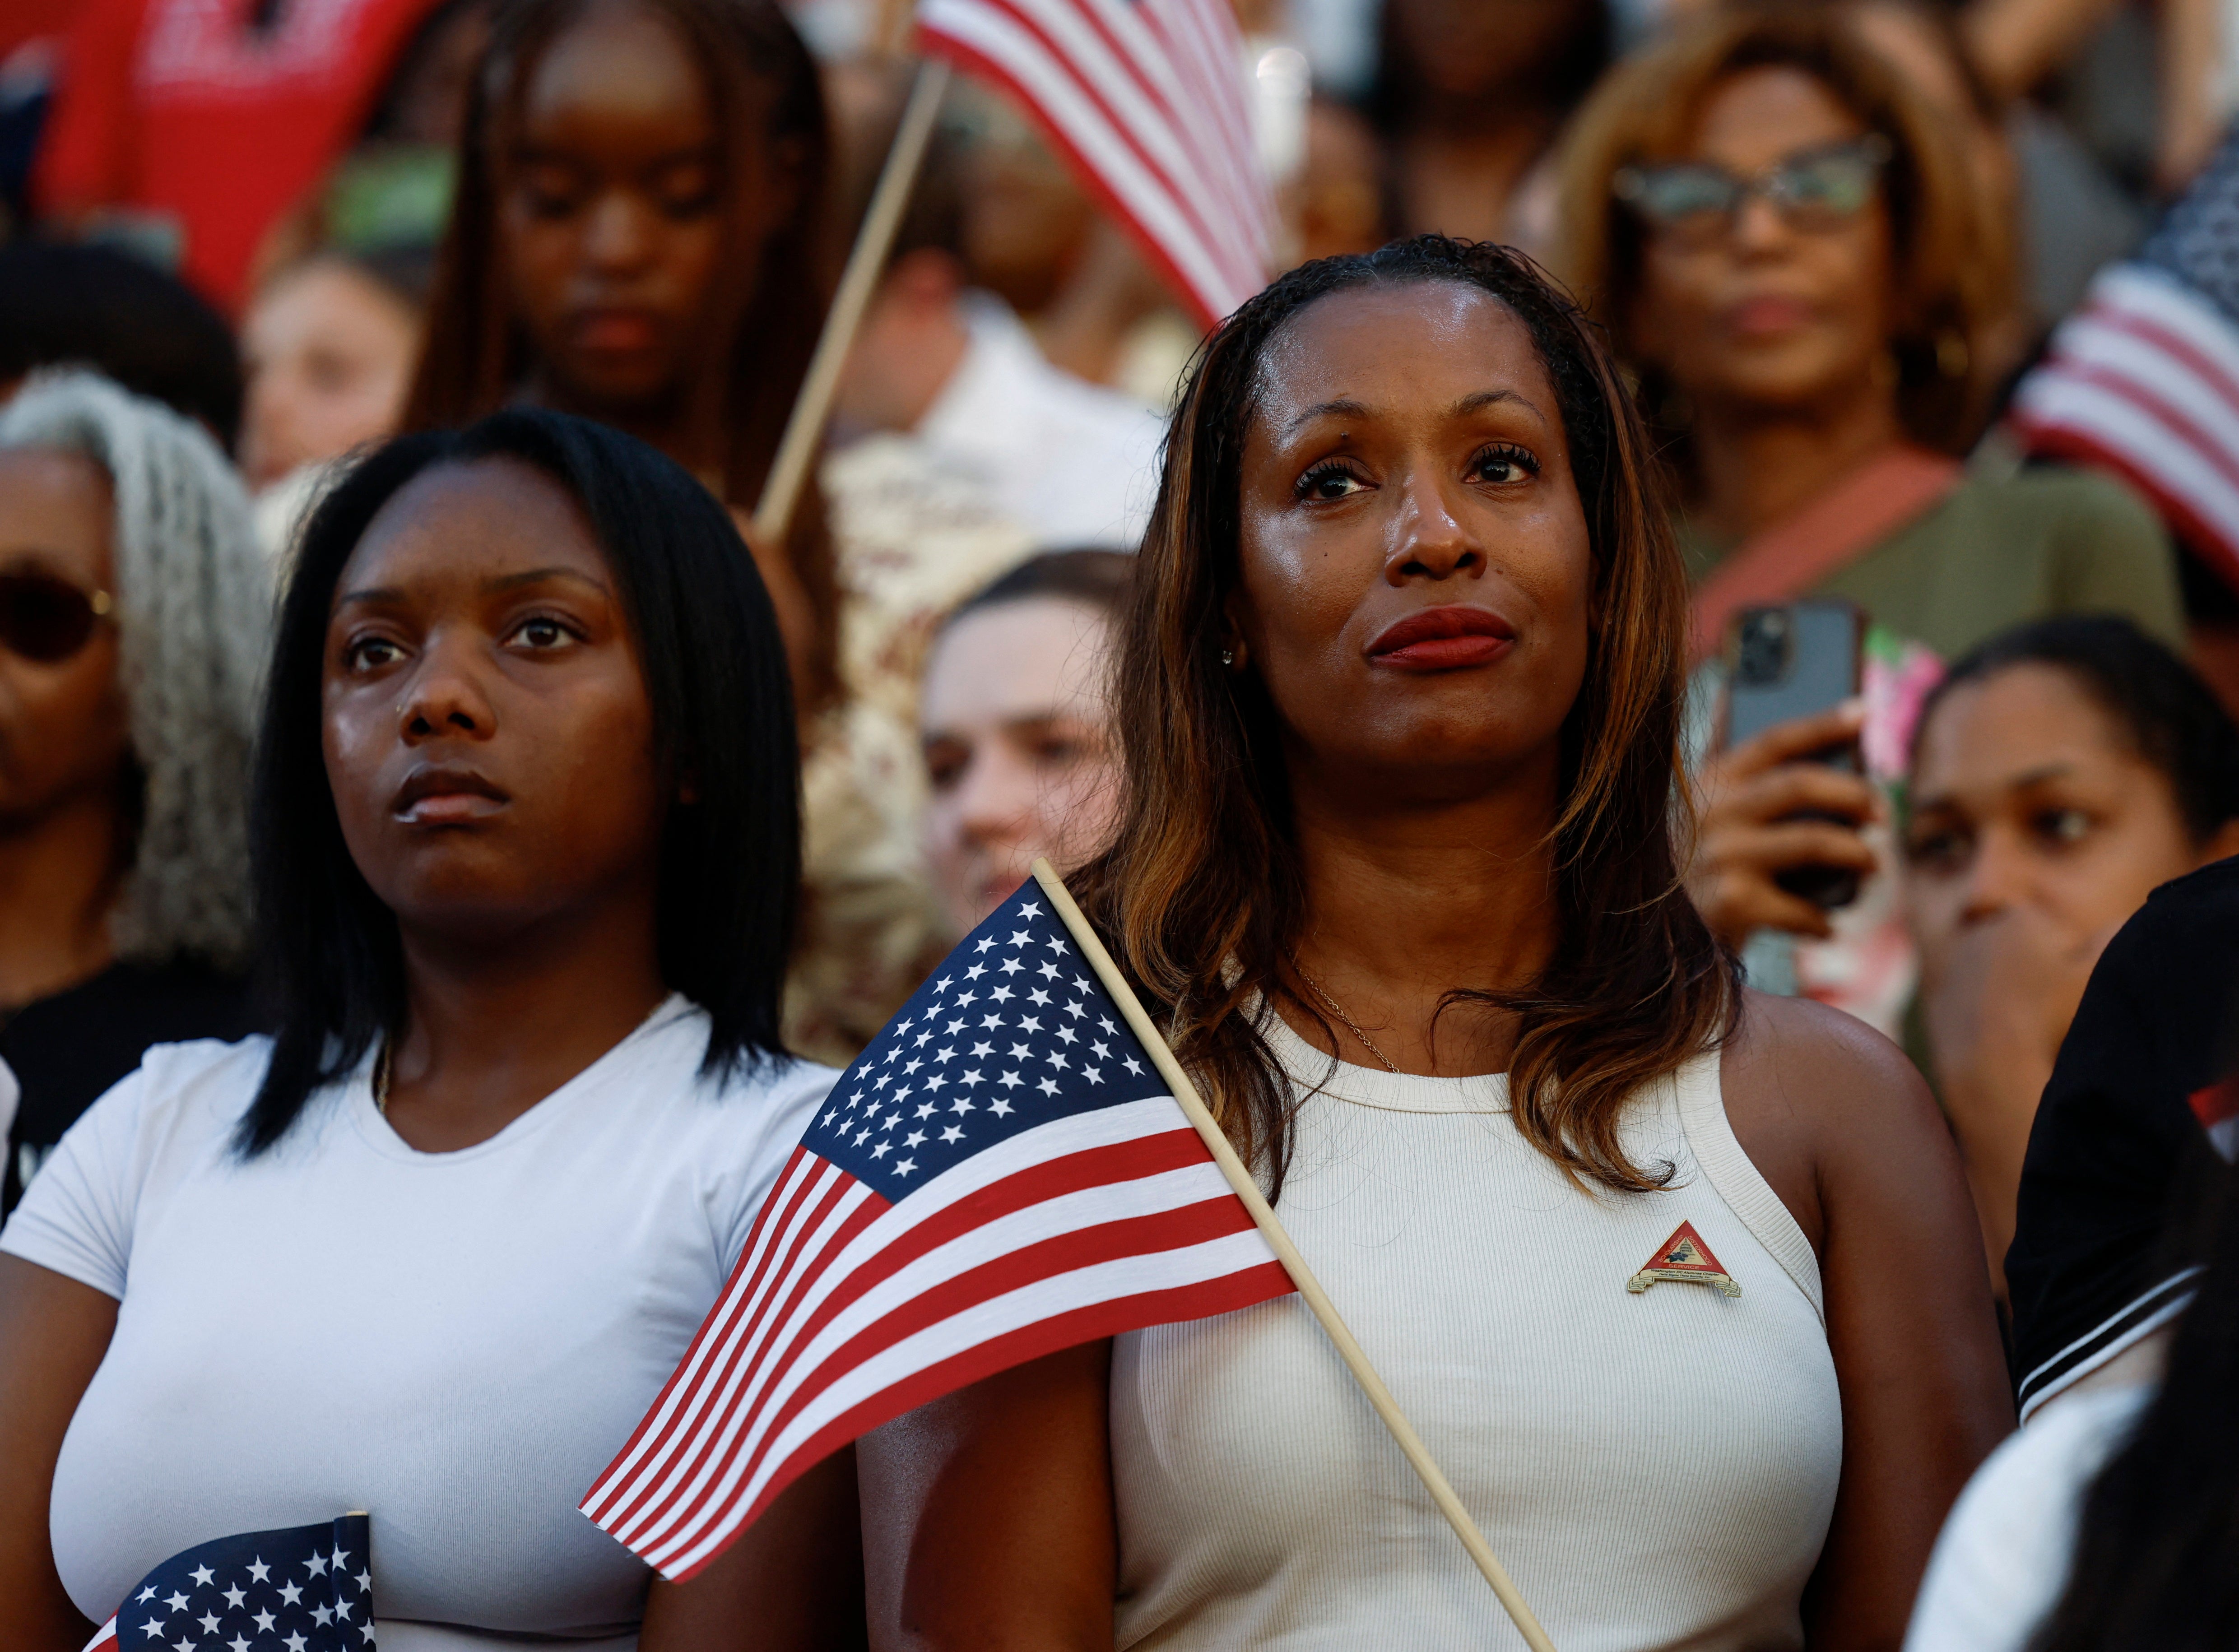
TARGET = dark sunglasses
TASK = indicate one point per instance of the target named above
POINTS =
(45, 619)
(1819, 188)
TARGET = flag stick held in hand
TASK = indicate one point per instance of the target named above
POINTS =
(866, 262)
(1271, 1227)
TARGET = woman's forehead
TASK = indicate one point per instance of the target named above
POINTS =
(1398, 349)
(56, 510)
(624, 62)
(484, 518)
(1754, 116)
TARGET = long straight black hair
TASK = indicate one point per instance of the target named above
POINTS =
(722, 711)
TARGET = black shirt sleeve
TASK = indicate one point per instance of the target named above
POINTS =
(66, 1051)
(2091, 1271)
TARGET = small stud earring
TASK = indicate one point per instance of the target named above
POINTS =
(1228, 656)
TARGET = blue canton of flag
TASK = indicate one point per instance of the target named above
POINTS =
(1011, 1033)
(304, 1589)
(1001, 1173)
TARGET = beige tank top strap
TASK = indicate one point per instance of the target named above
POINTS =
(1702, 1103)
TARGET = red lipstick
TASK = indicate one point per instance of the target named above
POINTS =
(1448, 638)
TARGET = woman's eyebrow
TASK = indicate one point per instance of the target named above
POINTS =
(372, 593)
(541, 575)
(2058, 770)
(1478, 401)
(1344, 406)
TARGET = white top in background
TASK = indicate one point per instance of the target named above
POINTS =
(1656, 1469)
(1072, 462)
(456, 1342)
(2002, 1563)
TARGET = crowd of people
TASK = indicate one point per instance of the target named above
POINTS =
(447, 845)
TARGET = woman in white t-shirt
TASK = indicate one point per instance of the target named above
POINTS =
(526, 855)
(1678, 1284)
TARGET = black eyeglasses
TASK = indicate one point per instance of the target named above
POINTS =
(46, 619)
(1820, 189)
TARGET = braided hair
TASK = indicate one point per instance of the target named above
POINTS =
(193, 610)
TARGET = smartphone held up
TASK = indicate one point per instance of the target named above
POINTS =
(1792, 660)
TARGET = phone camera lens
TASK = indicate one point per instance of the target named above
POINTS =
(1762, 655)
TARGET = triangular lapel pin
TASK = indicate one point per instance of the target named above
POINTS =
(1685, 1257)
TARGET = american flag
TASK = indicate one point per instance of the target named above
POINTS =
(2143, 380)
(303, 1589)
(1149, 98)
(1001, 1174)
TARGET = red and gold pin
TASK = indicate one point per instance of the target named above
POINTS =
(1685, 1257)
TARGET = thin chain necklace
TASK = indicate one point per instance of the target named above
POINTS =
(1337, 1010)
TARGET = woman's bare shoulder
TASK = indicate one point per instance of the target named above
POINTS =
(1808, 1053)
(1811, 1091)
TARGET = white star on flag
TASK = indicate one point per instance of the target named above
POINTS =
(223, 1594)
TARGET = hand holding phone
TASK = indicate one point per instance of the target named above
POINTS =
(1793, 663)
(1776, 815)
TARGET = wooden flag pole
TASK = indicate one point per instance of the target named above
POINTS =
(1271, 1227)
(866, 262)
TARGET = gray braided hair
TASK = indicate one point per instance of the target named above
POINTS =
(194, 610)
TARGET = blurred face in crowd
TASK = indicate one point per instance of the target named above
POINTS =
(1766, 308)
(1019, 747)
(1025, 222)
(488, 734)
(613, 209)
(1416, 577)
(64, 731)
(2027, 792)
(329, 352)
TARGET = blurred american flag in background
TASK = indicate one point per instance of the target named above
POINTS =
(2143, 380)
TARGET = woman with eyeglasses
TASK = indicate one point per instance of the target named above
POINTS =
(134, 605)
(1807, 272)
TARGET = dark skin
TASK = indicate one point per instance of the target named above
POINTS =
(611, 213)
(1408, 454)
(615, 221)
(1778, 335)
(488, 737)
(64, 738)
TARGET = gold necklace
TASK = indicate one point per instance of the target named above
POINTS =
(380, 1079)
(1337, 1010)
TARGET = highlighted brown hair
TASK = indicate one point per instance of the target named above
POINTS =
(1200, 895)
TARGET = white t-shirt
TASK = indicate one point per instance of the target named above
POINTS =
(456, 1342)
(2002, 1563)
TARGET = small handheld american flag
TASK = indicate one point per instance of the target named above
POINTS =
(1148, 98)
(2143, 378)
(302, 1588)
(1001, 1174)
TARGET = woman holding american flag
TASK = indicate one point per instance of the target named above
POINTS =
(1675, 1280)
(527, 845)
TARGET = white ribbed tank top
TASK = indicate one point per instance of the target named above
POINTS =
(1656, 1468)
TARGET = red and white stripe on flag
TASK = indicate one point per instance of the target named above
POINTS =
(847, 1309)
(2144, 380)
(1149, 98)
